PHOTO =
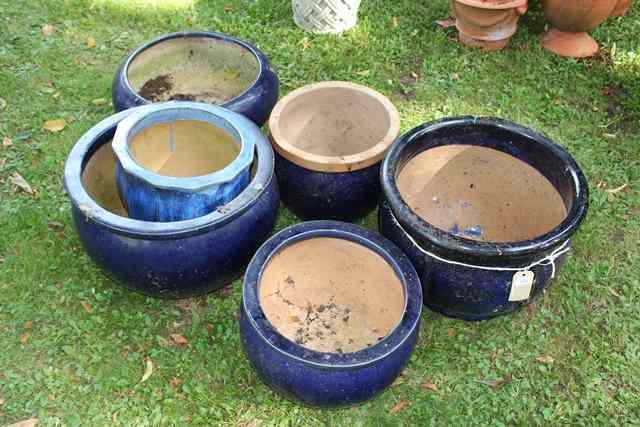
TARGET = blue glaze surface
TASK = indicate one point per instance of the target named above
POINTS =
(176, 259)
(328, 379)
(149, 196)
(255, 103)
(344, 196)
(464, 292)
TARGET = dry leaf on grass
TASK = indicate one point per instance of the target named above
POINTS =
(25, 423)
(455, 77)
(228, 8)
(496, 383)
(179, 339)
(28, 324)
(398, 407)
(90, 42)
(175, 382)
(54, 125)
(21, 183)
(98, 102)
(3, 104)
(446, 23)
(7, 142)
(394, 22)
(148, 370)
(48, 29)
(86, 306)
(429, 386)
(617, 189)
(24, 338)
(545, 359)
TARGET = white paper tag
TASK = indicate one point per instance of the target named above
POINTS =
(521, 286)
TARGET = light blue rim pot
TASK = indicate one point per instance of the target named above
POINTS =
(149, 196)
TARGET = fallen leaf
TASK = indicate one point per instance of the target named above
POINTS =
(7, 142)
(545, 359)
(148, 370)
(90, 42)
(86, 306)
(455, 77)
(617, 189)
(3, 104)
(394, 22)
(55, 225)
(429, 386)
(446, 23)
(54, 125)
(609, 135)
(175, 382)
(21, 183)
(414, 75)
(179, 339)
(631, 213)
(497, 382)
(28, 324)
(25, 423)
(398, 407)
(99, 102)
(48, 29)
(1, 401)
(228, 8)
(24, 338)
(2, 162)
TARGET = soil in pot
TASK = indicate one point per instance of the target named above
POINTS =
(201, 69)
(481, 194)
(331, 295)
(184, 148)
(334, 122)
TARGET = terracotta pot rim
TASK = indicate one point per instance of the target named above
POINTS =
(334, 164)
(493, 4)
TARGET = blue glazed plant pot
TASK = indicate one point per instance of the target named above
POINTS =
(470, 278)
(330, 139)
(198, 66)
(181, 160)
(177, 259)
(307, 365)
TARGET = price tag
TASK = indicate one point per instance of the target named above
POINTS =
(521, 286)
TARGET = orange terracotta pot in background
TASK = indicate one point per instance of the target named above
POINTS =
(570, 20)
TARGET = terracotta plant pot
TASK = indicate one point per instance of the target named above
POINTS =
(621, 8)
(570, 20)
(330, 139)
(330, 312)
(488, 24)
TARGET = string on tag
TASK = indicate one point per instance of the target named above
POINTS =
(547, 260)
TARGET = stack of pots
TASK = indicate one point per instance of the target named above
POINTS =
(173, 195)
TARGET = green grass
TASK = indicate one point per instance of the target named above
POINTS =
(84, 368)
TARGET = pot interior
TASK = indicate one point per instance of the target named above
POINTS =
(480, 193)
(331, 295)
(334, 121)
(183, 148)
(193, 68)
(99, 180)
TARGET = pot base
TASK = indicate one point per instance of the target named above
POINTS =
(570, 45)
(489, 45)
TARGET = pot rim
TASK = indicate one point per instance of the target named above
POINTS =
(157, 230)
(373, 241)
(193, 34)
(243, 131)
(321, 163)
(459, 247)
(493, 4)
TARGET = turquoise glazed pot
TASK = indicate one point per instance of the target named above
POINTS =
(328, 379)
(150, 196)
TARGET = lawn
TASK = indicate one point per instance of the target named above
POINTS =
(75, 344)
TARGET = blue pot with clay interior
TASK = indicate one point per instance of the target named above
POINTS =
(330, 139)
(146, 139)
(469, 278)
(308, 375)
(175, 259)
(198, 66)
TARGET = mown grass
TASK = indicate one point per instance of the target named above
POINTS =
(67, 365)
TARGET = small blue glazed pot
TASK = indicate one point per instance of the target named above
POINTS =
(471, 279)
(176, 259)
(330, 139)
(225, 71)
(318, 378)
(149, 196)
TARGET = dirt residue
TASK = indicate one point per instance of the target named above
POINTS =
(155, 89)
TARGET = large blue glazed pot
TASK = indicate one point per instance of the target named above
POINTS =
(471, 279)
(330, 139)
(198, 66)
(328, 379)
(174, 259)
(152, 196)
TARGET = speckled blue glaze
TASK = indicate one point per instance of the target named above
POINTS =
(255, 103)
(464, 292)
(176, 259)
(344, 196)
(328, 379)
(149, 196)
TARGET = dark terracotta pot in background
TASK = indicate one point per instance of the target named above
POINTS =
(621, 8)
(487, 24)
(570, 20)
